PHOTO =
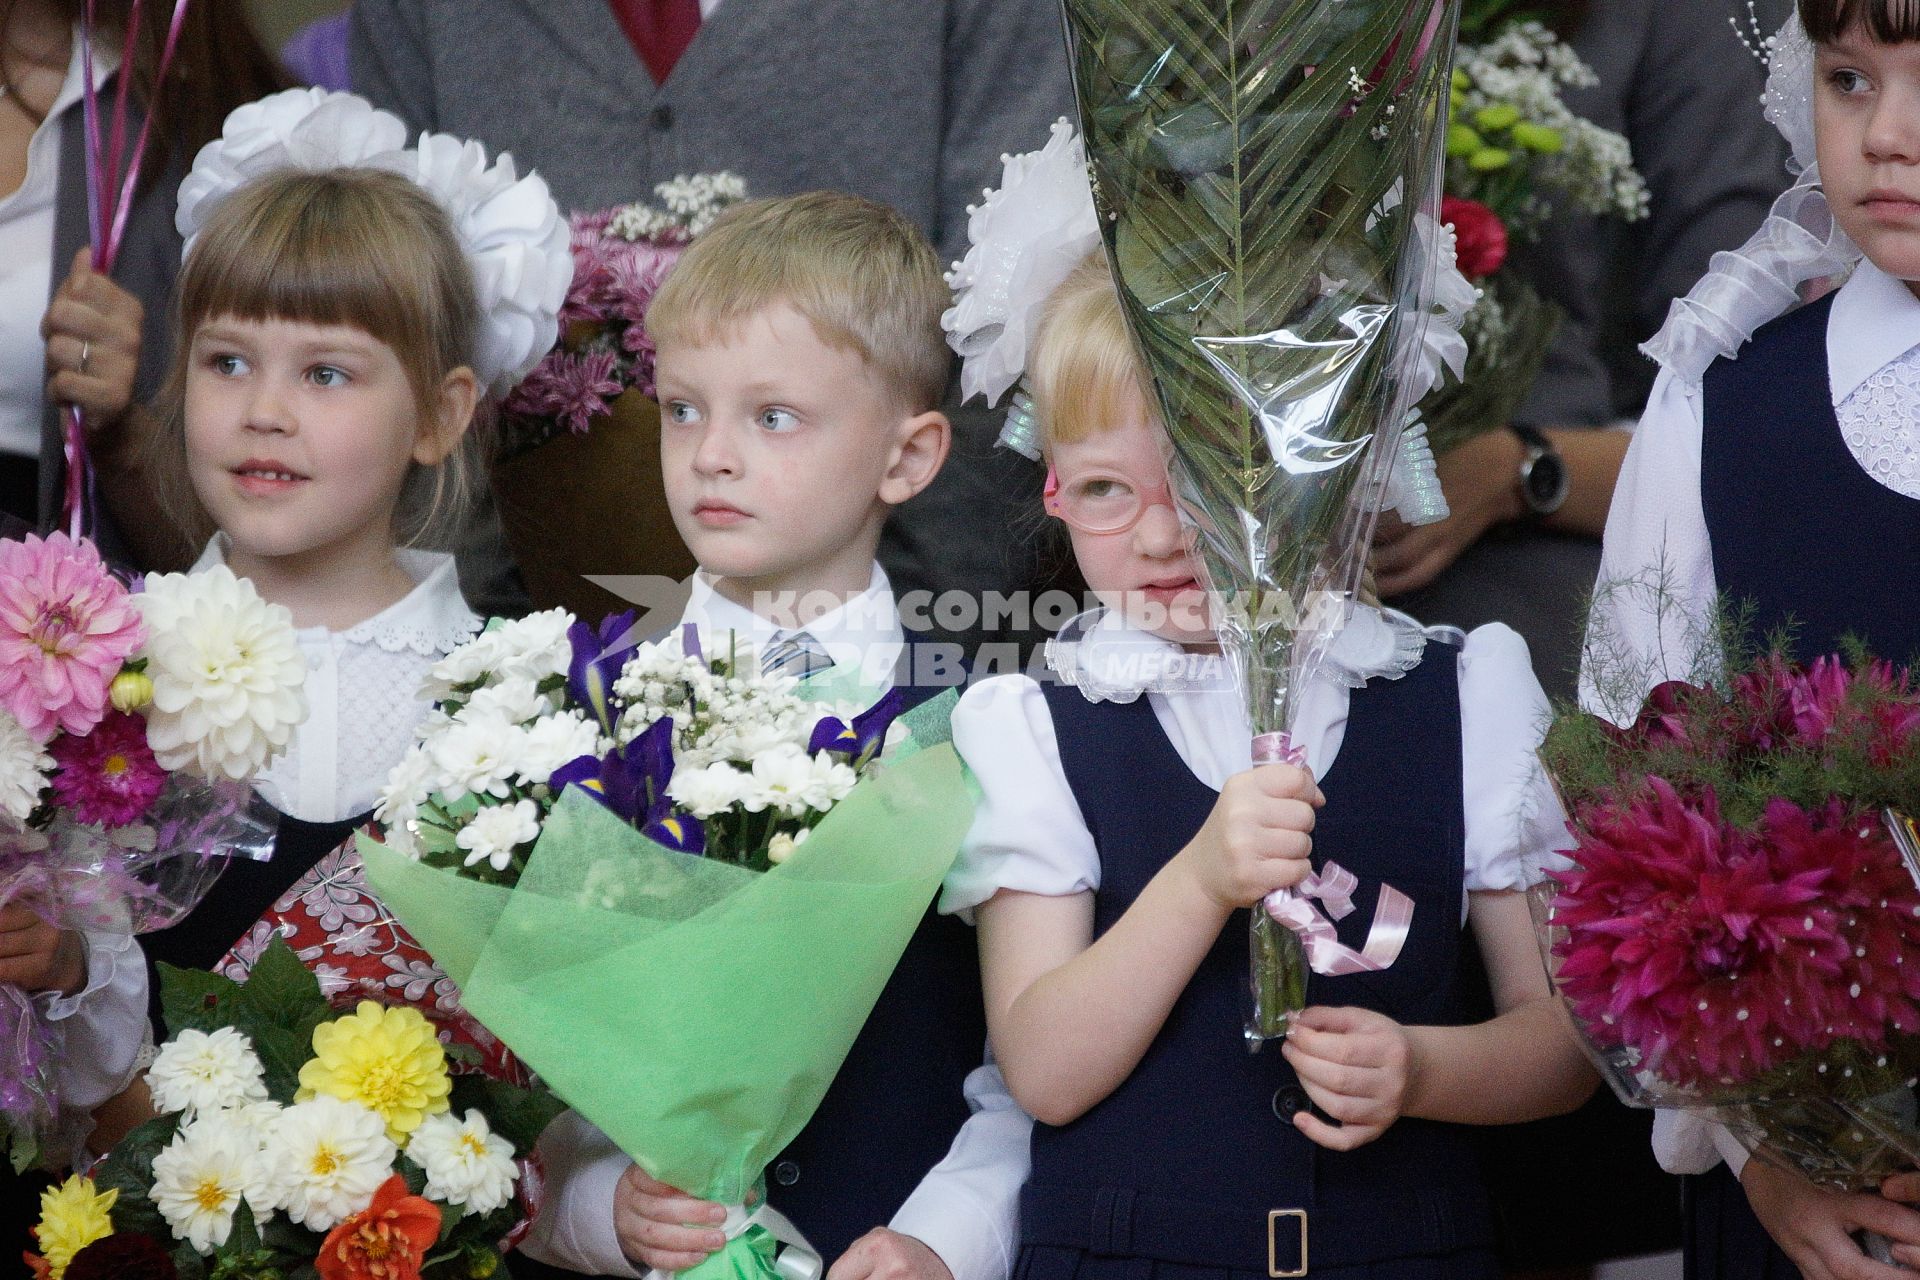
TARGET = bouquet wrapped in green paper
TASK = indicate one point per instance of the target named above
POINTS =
(1262, 168)
(672, 883)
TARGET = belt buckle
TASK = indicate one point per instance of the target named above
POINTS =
(1273, 1261)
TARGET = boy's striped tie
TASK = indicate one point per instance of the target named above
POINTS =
(795, 654)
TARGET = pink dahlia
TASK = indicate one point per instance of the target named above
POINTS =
(1686, 944)
(66, 626)
(108, 776)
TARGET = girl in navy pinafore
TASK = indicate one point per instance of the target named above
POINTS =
(1123, 834)
(1778, 468)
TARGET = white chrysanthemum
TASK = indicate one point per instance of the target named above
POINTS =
(201, 1071)
(793, 783)
(706, 791)
(24, 766)
(324, 1160)
(553, 741)
(408, 787)
(467, 664)
(493, 834)
(466, 1163)
(200, 1179)
(515, 699)
(535, 647)
(474, 756)
(228, 676)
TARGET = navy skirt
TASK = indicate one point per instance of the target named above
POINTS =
(1724, 1241)
(1051, 1262)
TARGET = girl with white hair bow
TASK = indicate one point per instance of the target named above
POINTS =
(1777, 468)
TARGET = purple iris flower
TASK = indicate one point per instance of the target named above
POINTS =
(598, 655)
(632, 782)
(863, 738)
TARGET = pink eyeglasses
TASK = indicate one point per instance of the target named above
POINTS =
(1104, 502)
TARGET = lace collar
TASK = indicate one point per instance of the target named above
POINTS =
(1875, 321)
(431, 620)
(1110, 661)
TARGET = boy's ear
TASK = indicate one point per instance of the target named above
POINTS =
(453, 414)
(919, 450)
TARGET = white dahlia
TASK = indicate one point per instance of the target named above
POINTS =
(200, 1179)
(466, 1163)
(200, 1071)
(24, 766)
(228, 676)
(324, 1160)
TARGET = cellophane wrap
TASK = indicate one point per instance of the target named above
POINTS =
(133, 879)
(1733, 926)
(1258, 166)
(694, 1010)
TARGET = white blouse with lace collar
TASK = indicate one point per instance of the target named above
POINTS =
(363, 692)
(1657, 591)
(1028, 833)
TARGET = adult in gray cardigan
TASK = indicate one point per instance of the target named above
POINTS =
(1675, 79)
(67, 334)
(911, 104)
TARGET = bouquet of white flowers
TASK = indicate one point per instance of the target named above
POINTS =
(741, 856)
(704, 753)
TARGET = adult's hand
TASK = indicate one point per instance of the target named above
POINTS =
(1480, 478)
(92, 331)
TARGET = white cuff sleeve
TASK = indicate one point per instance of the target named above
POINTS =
(574, 1228)
(967, 1209)
(1730, 1149)
(1690, 1142)
(104, 1026)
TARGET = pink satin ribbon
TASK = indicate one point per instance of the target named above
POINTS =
(1332, 887)
(110, 188)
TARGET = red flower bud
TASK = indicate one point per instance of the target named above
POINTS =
(1480, 237)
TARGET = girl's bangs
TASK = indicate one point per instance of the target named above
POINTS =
(1885, 21)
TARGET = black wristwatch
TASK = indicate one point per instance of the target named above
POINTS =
(1543, 472)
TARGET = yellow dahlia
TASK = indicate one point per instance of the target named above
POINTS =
(72, 1216)
(385, 1059)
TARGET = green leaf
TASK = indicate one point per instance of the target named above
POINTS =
(189, 1265)
(280, 991)
(243, 1237)
(128, 1169)
(193, 999)
(282, 1053)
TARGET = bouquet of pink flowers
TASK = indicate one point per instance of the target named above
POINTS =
(620, 257)
(129, 725)
(1744, 892)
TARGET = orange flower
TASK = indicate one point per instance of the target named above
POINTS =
(386, 1241)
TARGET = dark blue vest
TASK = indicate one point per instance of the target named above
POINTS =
(893, 1111)
(1185, 1162)
(1796, 526)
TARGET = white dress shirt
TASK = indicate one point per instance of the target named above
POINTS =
(363, 692)
(1657, 594)
(1028, 833)
(27, 266)
(1657, 591)
(967, 1207)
